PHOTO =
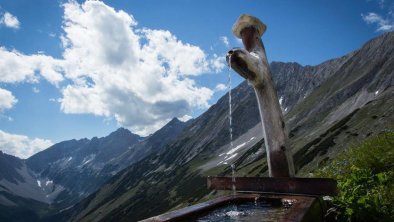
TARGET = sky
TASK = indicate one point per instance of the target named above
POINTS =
(79, 69)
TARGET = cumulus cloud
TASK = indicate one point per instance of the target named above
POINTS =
(383, 21)
(7, 100)
(383, 24)
(141, 77)
(218, 63)
(9, 20)
(20, 145)
(18, 67)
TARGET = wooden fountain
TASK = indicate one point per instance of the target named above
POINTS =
(304, 194)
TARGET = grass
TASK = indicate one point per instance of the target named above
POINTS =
(365, 175)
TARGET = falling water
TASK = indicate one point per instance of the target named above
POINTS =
(231, 122)
(233, 178)
(235, 213)
(230, 118)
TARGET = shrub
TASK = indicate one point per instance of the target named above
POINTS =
(365, 176)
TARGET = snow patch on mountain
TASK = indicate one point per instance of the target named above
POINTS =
(29, 188)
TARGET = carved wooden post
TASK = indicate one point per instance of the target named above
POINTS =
(252, 64)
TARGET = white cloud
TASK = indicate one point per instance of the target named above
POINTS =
(185, 118)
(225, 41)
(163, 48)
(7, 100)
(9, 20)
(17, 67)
(140, 77)
(220, 87)
(218, 63)
(383, 24)
(20, 145)
(384, 21)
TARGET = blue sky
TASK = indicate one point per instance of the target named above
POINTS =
(75, 69)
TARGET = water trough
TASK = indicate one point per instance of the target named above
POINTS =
(291, 208)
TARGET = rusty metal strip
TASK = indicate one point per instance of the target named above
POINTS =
(293, 185)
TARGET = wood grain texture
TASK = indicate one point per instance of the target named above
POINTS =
(251, 63)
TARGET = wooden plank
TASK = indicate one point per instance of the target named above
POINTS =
(293, 185)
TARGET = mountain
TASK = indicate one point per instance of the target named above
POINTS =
(354, 103)
(328, 107)
(294, 82)
(20, 195)
(77, 168)
(153, 143)
(60, 176)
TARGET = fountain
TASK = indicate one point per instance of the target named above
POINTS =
(300, 196)
(251, 63)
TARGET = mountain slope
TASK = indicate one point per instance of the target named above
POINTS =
(20, 195)
(153, 143)
(54, 179)
(76, 168)
(75, 165)
(17, 179)
(331, 105)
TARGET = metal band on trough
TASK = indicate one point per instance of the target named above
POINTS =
(288, 185)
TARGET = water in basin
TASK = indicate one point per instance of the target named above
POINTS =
(248, 211)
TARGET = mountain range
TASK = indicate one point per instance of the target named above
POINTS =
(69, 171)
(124, 177)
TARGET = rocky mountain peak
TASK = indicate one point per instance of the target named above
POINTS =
(174, 121)
(123, 132)
(170, 130)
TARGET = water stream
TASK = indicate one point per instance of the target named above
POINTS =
(234, 212)
(230, 118)
(233, 179)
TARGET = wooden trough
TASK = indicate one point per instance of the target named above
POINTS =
(300, 208)
(303, 194)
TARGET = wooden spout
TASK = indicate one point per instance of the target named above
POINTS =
(251, 63)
